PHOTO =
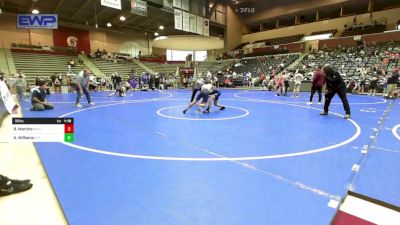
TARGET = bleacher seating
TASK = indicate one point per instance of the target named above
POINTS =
(259, 65)
(44, 49)
(220, 66)
(282, 40)
(349, 61)
(123, 68)
(43, 65)
(333, 31)
(163, 68)
(203, 67)
(364, 30)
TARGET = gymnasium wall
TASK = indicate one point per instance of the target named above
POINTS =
(115, 41)
(393, 15)
(293, 7)
(109, 40)
(332, 43)
(159, 51)
(61, 35)
(10, 34)
(234, 29)
(382, 37)
(213, 54)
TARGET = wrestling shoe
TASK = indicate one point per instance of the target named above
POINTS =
(323, 113)
(347, 116)
(222, 108)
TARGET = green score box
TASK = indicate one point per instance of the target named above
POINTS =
(69, 137)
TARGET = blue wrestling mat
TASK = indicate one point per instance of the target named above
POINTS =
(264, 160)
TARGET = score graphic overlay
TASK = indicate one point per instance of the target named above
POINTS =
(43, 129)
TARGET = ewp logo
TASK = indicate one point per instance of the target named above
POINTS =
(42, 21)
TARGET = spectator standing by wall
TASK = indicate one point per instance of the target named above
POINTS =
(20, 84)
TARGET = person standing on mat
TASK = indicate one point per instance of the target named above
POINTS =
(392, 83)
(335, 85)
(157, 81)
(317, 84)
(298, 78)
(81, 86)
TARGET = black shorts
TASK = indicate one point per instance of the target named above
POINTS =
(373, 85)
(216, 93)
(202, 95)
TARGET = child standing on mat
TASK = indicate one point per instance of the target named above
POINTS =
(298, 78)
(317, 84)
(280, 84)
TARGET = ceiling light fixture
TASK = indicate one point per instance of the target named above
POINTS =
(97, 26)
(122, 18)
(156, 34)
(161, 27)
(109, 25)
(318, 37)
(160, 38)
(35, 11)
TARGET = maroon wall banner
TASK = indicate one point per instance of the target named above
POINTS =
(187, 70)
(71, 37)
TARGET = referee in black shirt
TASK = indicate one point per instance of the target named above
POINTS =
(335, 85)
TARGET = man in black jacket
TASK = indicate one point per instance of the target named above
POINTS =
(392, 83)
(335, 85)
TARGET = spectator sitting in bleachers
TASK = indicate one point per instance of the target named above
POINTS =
(71, 63)
(97, 54)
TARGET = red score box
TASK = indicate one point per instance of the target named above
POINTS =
(68, 128)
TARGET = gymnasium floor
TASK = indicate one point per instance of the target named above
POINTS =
(264, 160)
